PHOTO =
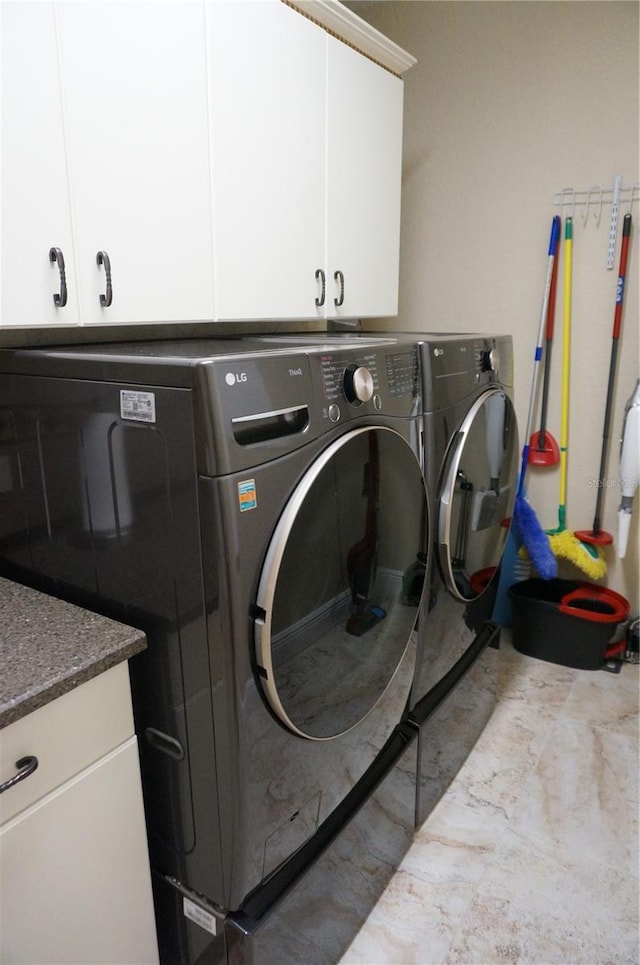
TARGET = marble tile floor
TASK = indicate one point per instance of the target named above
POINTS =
(531, 856)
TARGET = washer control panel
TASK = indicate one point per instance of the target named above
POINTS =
(402, 371)
(372, 378)
(344, 376)
(458, 366)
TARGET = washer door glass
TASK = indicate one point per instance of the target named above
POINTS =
(342, 579)
(477, 493)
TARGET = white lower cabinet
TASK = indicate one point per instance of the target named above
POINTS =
(75, 884)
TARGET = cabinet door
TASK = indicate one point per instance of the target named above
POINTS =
(364, 170)
(267, 93)
(53, 735)
(35, 207)
(135, 101)
(74, 872)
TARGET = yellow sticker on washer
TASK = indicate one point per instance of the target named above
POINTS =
(247, 498)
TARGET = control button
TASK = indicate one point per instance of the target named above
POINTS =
(334, 412)
(377, 402)
(358, 383)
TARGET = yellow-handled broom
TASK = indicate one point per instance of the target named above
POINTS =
(565, 544)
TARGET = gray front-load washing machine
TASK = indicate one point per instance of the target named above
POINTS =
(462, 426)
(251, 508)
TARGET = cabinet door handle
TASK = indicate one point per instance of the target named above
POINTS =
(320, 275)
(102, 259)
(57, 258)
(26, 766)
(339, 276)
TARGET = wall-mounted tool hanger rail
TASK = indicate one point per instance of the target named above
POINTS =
(590, 202)
(594, 197)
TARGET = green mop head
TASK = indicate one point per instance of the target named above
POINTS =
(585, 556)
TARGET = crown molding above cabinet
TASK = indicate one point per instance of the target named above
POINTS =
(346, 25)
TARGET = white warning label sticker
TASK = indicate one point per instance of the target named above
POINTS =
(201, 917)
(139, 406)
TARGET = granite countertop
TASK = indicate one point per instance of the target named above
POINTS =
(48, 647)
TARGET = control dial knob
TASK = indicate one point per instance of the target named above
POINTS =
(489, 360)
(358, 383)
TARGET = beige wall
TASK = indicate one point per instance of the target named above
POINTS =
(509, 103)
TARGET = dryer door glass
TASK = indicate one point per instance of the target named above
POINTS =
(341, 583)
(477, 492)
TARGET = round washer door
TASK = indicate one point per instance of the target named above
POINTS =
(341, 583)
(477, 493)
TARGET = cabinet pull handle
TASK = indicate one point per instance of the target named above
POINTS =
(102, 259)
(26, 766)
(320, 275)
(57, 258)
(339, 276)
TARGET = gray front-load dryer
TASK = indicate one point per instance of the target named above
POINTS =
(252, 509)
(470, 443)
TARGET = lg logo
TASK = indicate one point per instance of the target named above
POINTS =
(231, 379)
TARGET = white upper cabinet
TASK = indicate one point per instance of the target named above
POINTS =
(267, 78)
(197, 160)
(36, 215)
(364, 171)
(135, 99)
(306, 149)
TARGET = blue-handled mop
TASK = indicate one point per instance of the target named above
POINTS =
(525, 527)
(535, 540)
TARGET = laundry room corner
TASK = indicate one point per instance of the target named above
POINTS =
(508, 105)
(319, 482)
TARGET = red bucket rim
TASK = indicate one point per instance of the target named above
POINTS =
(601, 594)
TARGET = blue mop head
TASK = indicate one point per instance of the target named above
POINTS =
(535, 540)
